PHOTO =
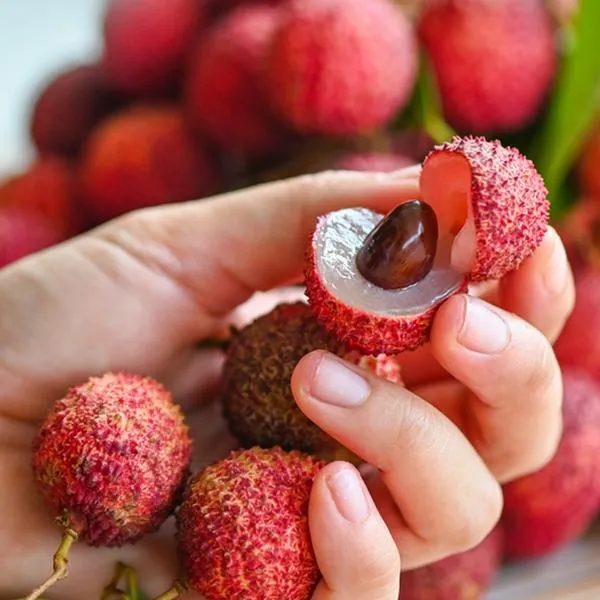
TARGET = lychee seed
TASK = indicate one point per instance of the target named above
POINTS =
(399, 251)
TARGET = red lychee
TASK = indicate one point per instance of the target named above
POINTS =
(588, 169)
(143, 156)
(68, 108)
(47, 190)
(465, 576)
(242, 528)
(340, 67)
(553, 507)
(225, 86)
(491, 212)
(110, 461)
(494, 61)
(380, 162)
(146, 42)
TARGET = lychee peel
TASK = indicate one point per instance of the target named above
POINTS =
(242, 527)
(257, 399)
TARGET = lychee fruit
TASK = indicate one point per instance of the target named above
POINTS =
(23, 233)
(47, 190)
(342, 67)
(494, 62)
(225, 88)
(465, 576)
(143, 156)
(146, 42)
(554, 506)
(110, 461)
(587, 170)
(375, 282)
(257, 399)
(379, 162)
(242, 528)
(68, 108)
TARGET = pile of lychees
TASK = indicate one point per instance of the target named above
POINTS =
(193, 97)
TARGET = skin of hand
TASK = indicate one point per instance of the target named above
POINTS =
(482, 404)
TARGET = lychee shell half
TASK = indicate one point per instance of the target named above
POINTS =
(489, 198)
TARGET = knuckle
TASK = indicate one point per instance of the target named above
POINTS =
(382, 569)
(541, 371)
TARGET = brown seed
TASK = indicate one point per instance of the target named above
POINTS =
(399, 252)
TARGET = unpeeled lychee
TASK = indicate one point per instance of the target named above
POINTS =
(465, 576)
(257, 399)
(341, 67)
(242, 528)
(492, 213)
(146, 42)
(69, 107)
(494, 61)
(226, 87)
(143, 156)
(380, 162)
(553, 507)
(110, 460)
(47, 191)
(587, 170)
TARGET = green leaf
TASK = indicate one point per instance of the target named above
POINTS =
(573, 104)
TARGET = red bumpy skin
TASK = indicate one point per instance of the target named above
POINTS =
(378, 162)
(68, 108)
(23, 233)
(146, 42)
(494, 61)
(465, 576)
(553, 507)
(490, 194)
(46, 190)
(243, 527)
(143, 156)
(225, 86)
(588, 171)
(112, 457)
(340, 67)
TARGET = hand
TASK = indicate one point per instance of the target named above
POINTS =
(138, 293)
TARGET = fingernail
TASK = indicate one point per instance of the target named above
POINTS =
(348, 494)
(556, 268)
(483, 330)
(334, 383)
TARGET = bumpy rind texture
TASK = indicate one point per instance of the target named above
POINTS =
(509, 204)
(225, 90)
(494, 61)
(379, 162)
(257, 400)
(143, 156)
(552, 507)
(323, 54)
(243, 527)
(111, 458)
(465, 576)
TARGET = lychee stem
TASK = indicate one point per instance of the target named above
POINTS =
(60, 563)
(112, 591)
(178, 588)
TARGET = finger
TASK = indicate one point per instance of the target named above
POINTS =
(425, 461)
(514, 405)
(542, 290)
(355, 551)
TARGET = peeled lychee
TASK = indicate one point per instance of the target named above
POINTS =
(242, 528)
(146, 42)
(110, 460)
(23, 233)
(491, 212)
(494, 61)
(465, 576)
(226, 87)
(68, 108)
(554, 506)
(341, 67)
(47, 190)
(257, 399)
(379, 162)
(588, 171)
(143, 156)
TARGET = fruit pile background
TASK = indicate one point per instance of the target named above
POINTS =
(188, 98)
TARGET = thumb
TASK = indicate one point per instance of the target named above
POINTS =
(356, 553)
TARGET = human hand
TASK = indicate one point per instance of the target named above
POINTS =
(138, 293)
